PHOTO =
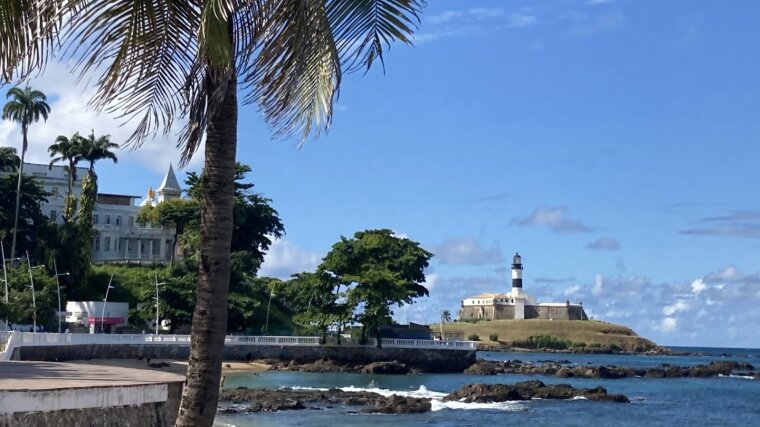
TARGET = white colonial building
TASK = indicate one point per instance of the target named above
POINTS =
(119, 238)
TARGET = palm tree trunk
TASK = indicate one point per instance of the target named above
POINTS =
(199, 398)
(18, 193)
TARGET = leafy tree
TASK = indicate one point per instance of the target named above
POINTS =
(176, 213)
(383, 269)
(25, 107)
(186, 59)
(21, 307)
(34, 223)
(9, 160)
(318, 300)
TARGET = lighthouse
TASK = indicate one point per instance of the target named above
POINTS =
(517, 275)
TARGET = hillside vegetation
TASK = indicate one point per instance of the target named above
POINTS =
(578, 334)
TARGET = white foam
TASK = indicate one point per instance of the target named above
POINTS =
(437, 405)
(744, 377)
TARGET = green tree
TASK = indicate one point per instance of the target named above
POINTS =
(318, 298)
(9, 160)
(187, 58)
(25, 107)
(21, 305)
(383, 269)
(176, 213)
(68, 150)
(446, 316)
(33, 223)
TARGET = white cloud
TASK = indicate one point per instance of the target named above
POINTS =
(284, 258)
(467, 251)
(572, 290)
(677, 307)
(668, 324)
(698, 286)
(431, 279)
(555, 219)
(444, 17)
(604, 243)
(520, 20)
(484, 13)
(598, 288)
(70, 113)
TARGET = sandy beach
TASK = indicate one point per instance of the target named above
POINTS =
(172, 366)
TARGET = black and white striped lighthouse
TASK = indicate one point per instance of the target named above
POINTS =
(517, 274)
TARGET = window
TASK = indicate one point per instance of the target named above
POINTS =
(107, 243)
(55, 191)
(53, 215)
(118, 220)
(96, 244)
(131, 221)
(108, 219)
(95, 219)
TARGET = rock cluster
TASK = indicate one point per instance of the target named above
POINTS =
(327, 365)
(526, 390)
(565, 370)
(265, 400)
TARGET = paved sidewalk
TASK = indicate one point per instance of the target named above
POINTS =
(55, 376)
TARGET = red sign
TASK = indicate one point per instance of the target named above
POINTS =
(92, 320)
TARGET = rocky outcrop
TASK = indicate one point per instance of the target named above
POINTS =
(327, 365)
(264, 400)
(566, 370)
(527, 390)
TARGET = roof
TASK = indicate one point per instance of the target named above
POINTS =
(119, 195)
(489, 296)
(170, 181)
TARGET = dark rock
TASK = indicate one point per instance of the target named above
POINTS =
(526, 390)
(400, 405)
(394, 367)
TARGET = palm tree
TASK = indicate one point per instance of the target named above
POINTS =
(98, 148)
(186, 59)
(25, 107)
(446, 316)
(67, 150)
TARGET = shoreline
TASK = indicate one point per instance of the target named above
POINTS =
(173, 366)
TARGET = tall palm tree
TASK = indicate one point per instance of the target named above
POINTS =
(98, 148)
(171, 58)
(68, 150)
(25, 107)
(446, 316)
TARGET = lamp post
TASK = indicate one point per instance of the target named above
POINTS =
(58, 286)
(157, 284)
(271, 294)
(34, 298)
(105, 302)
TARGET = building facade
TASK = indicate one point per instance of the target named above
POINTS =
(119, 238)
(516, 304)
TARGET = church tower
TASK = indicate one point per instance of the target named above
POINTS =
(169, 188)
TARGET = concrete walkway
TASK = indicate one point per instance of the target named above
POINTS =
(33, 376)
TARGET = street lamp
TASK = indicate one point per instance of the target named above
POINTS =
(271, 294)
(58, 286)
(34, 298)
(105, 302)
(157, 284)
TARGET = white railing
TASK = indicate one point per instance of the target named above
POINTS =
(19, 339)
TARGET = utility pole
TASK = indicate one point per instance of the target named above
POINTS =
(58, 286)
(105, 302)
(34, 300)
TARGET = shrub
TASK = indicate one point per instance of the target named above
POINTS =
(493, 337)
(474, 337)
(615, 347)
(595, 345)
(578, 344)
(543, 342)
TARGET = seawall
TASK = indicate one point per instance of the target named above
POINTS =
(426, 360)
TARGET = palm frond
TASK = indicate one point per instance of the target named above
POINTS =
(296, 74)
(363, 28)
(28, 33)
(147, 50)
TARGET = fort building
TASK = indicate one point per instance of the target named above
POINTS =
(516, 304)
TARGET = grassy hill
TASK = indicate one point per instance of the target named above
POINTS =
(515, 333)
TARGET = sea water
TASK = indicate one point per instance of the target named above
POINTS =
(684, 402)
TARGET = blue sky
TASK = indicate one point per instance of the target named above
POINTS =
(614, 144)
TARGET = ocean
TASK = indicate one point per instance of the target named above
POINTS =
(683, 402)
